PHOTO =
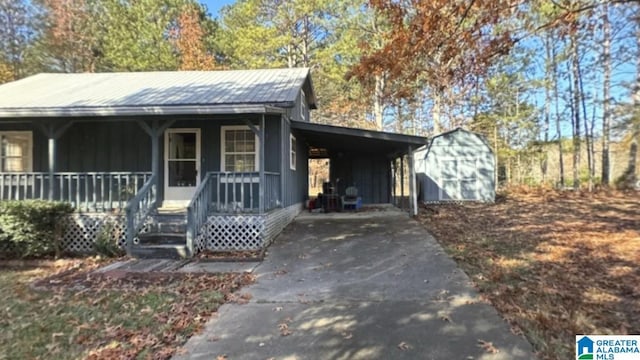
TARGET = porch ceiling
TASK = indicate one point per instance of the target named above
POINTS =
(342, 139)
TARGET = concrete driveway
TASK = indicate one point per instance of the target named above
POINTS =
(369, 286)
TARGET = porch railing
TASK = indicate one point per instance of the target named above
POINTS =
(89, 191)
(139, 208)
(240, 192)
(198, 209)
(230, 193)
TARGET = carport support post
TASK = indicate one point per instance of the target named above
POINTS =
(413, 199)
(393, 183)
(402, 182)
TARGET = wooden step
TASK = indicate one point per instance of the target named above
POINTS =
(162, 238)
(160, 251)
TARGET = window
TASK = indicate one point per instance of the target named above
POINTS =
(303, 106)
(239, 149)
(16, 151)
(292, 152)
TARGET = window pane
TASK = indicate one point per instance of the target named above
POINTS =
(229, 163)
(248, 162)
(182, 173)
(240, 146)
(182, 145)
(251, 144)
(16, 151)
(15, 164)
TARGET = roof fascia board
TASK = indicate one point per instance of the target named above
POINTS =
(402, 138)
(139, 110)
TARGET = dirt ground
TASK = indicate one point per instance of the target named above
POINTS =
(555, 264)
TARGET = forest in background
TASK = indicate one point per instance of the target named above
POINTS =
(554, 85)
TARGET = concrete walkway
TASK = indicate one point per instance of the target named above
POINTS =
(366, 287)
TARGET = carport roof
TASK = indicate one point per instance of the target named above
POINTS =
(343, 139)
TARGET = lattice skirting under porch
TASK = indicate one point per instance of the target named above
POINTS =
(243, 232)
(82, 231)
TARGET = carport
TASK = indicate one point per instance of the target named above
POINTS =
(373, 161)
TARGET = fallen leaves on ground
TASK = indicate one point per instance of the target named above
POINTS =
(488, 347)
(555, 264)
(114, 315)
(283, 326)
(236, 255)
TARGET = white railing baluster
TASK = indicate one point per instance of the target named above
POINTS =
(90, 191)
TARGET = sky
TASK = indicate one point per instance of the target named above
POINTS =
(215, 5)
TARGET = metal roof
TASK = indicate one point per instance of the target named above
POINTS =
(335, 139)
(142, 93)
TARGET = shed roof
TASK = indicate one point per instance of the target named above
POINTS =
(144, 93)
(446, 134)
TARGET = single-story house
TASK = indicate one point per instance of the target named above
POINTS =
(457, 165)
(221, 156)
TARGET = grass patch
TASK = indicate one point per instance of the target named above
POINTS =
(77, 314)
(554, 264)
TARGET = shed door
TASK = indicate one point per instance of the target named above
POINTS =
(459, 179)
(182, 165)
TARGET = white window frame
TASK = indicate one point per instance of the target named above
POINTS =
(223, 131)
(29, 156)
(293, 155)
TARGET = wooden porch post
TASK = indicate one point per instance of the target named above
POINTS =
(155, 131)
(52, 165)
(52, 133)
(155, 151)
(262, 177)
(413, 199)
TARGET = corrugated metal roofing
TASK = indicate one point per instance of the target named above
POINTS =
(79, 93)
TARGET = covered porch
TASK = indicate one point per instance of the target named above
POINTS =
(153, 166)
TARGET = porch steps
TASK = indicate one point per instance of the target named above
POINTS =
(166, 238)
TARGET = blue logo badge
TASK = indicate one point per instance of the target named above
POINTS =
(585, 349)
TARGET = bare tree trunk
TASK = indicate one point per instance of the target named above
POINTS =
(558, 125)
(496, 166)
(290, 62)
(585, 118)
(437, 112)
(378, 100)
(575, 109)
(606, 93)
(547, 106)
(306, 35)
